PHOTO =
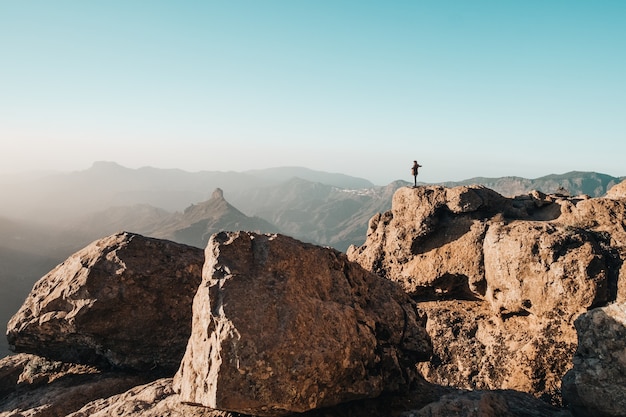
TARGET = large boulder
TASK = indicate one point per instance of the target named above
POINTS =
(596, 385)
(510, 276)
(606, 217)
(281, 326)
(123, 301)
(541, 268)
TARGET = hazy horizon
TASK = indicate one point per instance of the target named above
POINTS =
(469, 89)
(39, 173)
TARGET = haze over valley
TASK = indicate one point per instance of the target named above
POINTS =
(43, 219)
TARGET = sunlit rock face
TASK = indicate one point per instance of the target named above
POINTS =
(123, 301)
(280, 326)
(501, 279)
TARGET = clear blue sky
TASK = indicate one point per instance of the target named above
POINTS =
(468, 88)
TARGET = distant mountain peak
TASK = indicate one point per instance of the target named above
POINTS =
(106, 165)
(217, 194)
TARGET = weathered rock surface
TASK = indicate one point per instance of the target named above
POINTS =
(155, 399)
(281, 326)
(473, 348)
(596, 386)
(519, 271)
(618, 191)
(124, 301)
(37, 387)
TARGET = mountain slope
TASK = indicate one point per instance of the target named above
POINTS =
(320, 213)
(195, 225)
(592, 184)
(281, 174)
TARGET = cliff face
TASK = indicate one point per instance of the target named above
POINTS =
(501, 280)
(453, 289)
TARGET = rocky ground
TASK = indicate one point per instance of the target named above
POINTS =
(461, 302)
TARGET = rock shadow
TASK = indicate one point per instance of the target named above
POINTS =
(596, 385)
(446, 287)
(445, 228)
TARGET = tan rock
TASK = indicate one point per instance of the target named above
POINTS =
(618, 191)
(431, 240)
(475, 349)
(124, 300)
(281, 326)
(543, 269)
(596, 386)
(519, 271)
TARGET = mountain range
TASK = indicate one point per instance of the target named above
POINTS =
(44, 218)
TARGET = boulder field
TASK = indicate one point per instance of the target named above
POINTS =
(461, 302)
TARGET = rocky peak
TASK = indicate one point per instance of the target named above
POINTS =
(199, 221)
(217, 194)
(513, 270)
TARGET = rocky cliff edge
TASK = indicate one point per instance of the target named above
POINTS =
(502, 280)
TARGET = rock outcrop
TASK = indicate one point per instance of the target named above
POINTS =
(596, 386)
(509, 277)
(618, 191)
(122, 301)
(38, 387)
(280, 326)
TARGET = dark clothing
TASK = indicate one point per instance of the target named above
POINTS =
(414, 172)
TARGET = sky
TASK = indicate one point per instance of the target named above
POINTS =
(466, 88)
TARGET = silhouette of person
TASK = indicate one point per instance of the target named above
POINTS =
(414, 172)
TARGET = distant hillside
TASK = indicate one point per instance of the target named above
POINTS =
(198, 222)
(63, 197)
(138, 218)
(592, 184)
(284, 173)
(320, 213)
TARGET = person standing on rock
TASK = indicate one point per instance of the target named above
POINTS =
(414, 172)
